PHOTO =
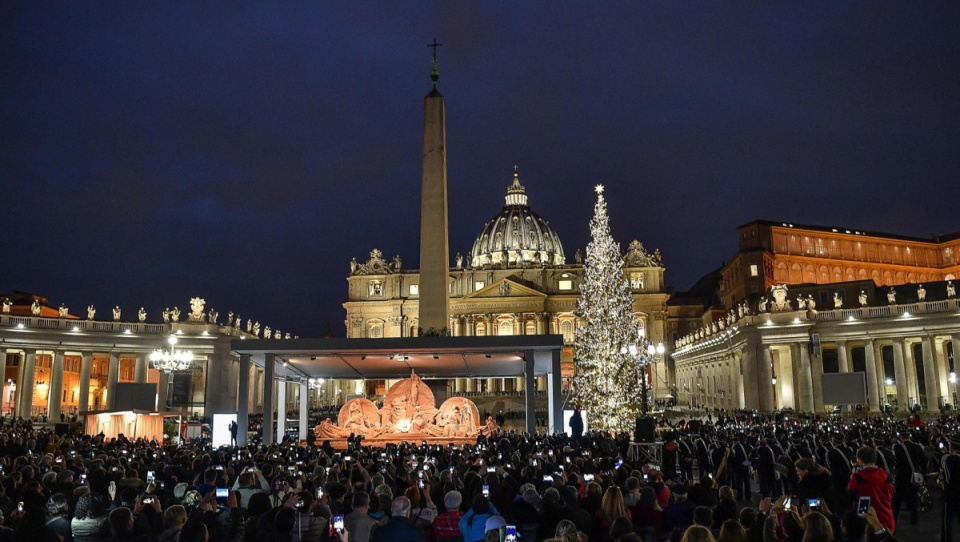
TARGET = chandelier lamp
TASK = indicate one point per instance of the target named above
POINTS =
(644, 353)
(171, 360)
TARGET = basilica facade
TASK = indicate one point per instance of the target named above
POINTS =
(516, 280)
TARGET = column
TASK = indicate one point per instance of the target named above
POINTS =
(842, 362)
(258, 390)
(269, 407)
(554, 399)
(870, 360)
(764, 377)
(281, 402)
(530, 396)
(955, 341)
(86, 358)
(304, 391)
(739, 377)
(816, 374)
(25, 386)
(805, 378)
(943, 368)
(751, 387)
(900, 375)
(931, 379)
(140, 370)
(733, 402)
(113, 376)
(56, 387)
(881, 372)
(243, 400)
(3, 381)
(910, 364)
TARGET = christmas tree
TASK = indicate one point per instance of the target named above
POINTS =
(606, 383)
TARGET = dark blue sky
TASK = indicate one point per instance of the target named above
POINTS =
(244, 152)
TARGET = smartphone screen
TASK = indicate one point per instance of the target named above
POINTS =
(338, 523)
(863, 506)
(511, 534)
(486, 491)
(787, 504)
(222, 492)
(150, 476)
(319, 492)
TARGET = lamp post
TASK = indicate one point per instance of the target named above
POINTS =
(643, 354)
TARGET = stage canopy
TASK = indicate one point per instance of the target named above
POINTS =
(430, 357)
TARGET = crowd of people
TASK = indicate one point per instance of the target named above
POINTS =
(738, 477)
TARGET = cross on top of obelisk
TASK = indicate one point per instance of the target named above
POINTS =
(435, 72)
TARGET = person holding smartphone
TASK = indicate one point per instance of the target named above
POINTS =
(249, 483)
(874, 482)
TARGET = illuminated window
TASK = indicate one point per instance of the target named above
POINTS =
(636, 281)
(481, 329)
(565, 285)
(505, 327)
(376, 287)
(414, 289)
(754, 270)
(376, 330)
(566, 329)
(531, 328)
(478, 285)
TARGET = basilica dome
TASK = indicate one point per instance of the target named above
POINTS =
(517, 235)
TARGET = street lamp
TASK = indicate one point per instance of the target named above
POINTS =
(643, 354)
(172, 360)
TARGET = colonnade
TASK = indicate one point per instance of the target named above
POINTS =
(788, 374)
(48, 382)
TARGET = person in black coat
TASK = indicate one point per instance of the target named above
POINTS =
(815, 482)
(906, 452)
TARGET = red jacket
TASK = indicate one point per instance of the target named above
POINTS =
(876, 484)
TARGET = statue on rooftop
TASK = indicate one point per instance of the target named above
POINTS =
(762, 305)
(175, 314)
(212, 316)
(459, 259)
(35, 308)
(892, 296)
(862, 298)
(91, 312)
(353, 265)
(63, 311)
(196, 309)
(951, 290)
(116, 313)
(166, 315)
(256, 328)
(921, 293)
(142, 315)
(6, 305)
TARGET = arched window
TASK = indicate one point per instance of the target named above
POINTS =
(531, 328)
(566, 329)
(505, 327)
(481, 329)
(375, 329)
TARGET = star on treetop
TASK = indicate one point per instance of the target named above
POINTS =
(599, 189)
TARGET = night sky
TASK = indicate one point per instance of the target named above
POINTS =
(245, 152)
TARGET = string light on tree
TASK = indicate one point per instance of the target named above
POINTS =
(607, 380)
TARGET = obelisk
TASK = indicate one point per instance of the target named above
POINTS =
(434, 243)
